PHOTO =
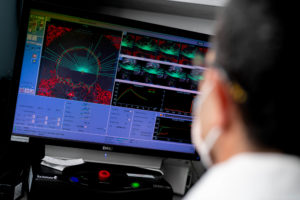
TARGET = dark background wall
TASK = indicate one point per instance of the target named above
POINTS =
(8, 35)
(8, 41)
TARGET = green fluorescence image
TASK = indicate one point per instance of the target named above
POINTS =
(178, 75)
(86, 66)
(170, 51)
(156, 71)
(189, 54)
(146, 45)
(129, 66)
(79, 59)
(127, 42)
(196, 77)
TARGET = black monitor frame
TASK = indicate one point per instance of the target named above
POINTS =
(94, 16)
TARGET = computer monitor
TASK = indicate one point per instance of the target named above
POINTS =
(107, 83)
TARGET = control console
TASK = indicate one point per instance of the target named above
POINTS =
(99, 181)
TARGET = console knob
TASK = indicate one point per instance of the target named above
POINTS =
(74, 179)
(103, 175)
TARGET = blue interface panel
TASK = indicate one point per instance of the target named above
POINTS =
(90, 81)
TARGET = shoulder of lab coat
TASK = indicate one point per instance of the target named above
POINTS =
(251, 176)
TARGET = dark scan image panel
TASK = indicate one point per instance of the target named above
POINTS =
(78, 62)
(172, 130)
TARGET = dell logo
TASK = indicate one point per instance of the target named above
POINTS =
(47, 177)
(107, 148)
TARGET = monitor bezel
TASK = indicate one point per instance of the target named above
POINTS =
(27, 6)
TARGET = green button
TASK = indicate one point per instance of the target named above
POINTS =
(135, 185)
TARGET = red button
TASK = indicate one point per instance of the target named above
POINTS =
(103, 175)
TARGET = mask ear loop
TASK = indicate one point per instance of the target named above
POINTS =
(207, 145)
(210, 139)
(204, 146)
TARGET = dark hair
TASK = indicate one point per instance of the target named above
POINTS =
(254, 46)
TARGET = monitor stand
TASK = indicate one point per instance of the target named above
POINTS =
(104, 157)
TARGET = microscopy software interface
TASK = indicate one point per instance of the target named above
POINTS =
(97, 82)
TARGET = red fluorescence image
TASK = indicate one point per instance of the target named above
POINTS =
(78, 62)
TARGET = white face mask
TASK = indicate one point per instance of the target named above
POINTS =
(205, 146)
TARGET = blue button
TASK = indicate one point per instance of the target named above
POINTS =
(74, 179)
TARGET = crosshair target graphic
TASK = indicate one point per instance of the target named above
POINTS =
(78, 62)
(79, 59)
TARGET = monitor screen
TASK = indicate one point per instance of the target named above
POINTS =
(97, 82)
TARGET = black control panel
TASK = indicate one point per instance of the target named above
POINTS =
(99, 181)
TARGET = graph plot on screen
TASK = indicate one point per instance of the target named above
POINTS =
(174, 130)
(135, 96)
(178, 102)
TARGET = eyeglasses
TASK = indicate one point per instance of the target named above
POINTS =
(237, 92)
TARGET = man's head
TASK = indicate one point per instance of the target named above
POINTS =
(251, 87)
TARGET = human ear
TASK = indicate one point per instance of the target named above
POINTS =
(221, 98)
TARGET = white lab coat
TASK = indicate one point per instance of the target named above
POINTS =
(250, 176)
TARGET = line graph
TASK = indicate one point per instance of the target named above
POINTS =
(175, 130)
(131, 90)
(168, 131)
(136, 96)
(178, 102)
